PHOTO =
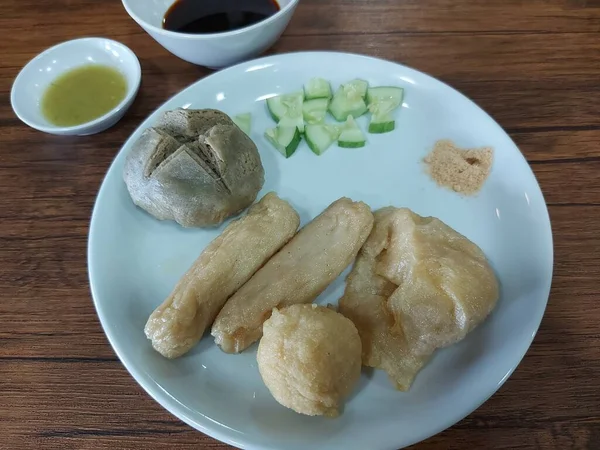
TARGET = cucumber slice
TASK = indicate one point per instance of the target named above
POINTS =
(315, 110)
(319, 137)
(383, 101)
(385, 93)
(382, 120)
(286, 104)
(284, 139)
(244, 121)
(276, 108)
(351, 139)
(317, 88)
(347, 103)
(382, 124)
(351, 135)
(291, 122)
(360, 87)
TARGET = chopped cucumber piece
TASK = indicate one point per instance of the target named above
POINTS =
(315, 110)
(382, 124)
(288, 121)
(383, 107)
(351, 135)
(285, 105)
(276, 108)
(284, 139)
(319, 137)
(352, 139)
(349, 100)
(244, 121)
(347, 103)
(385, 93)
(286, 110)
(317, 88)
(382, 120)
(357, 86)
(383, 101)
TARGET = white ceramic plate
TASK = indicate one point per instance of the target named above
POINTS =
(135, 260)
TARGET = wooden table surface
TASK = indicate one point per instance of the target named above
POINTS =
(533, 64)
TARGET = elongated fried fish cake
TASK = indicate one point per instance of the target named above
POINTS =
(298, 273)
(225, 265)
(417, 285)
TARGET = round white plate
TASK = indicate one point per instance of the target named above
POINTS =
(135, 260)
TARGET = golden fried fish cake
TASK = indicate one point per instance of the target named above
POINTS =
(365, 302)
(298, 273)
(309, 358)
(225, 265)
(417, 285)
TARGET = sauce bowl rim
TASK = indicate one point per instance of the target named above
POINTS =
(207, 36)
(132, 88)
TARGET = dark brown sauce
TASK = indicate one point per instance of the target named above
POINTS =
(216, 16)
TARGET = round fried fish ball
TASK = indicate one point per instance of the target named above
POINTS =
(309, 358)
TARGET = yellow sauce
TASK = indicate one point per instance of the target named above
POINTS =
(83, 94)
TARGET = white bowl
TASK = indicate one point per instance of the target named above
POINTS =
(31, 83)
(214, 50)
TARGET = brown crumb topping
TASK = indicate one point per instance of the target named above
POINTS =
(462, 170)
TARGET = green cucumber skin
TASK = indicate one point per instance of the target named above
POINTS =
(383, 122)
(272, 114)
(351, 135)
(271, 106)
(314, 148)
(380, 128)
(344, 144)
(288, 150)
(293, 146)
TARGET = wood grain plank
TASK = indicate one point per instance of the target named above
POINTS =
(582, 185)
(445, 16)
(342, 17)
(557, 146)
(529, 58)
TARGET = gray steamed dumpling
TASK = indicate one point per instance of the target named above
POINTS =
(196, 167)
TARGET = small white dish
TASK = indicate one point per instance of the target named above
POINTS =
(214, 50)
(33, 80)
(135, 260)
